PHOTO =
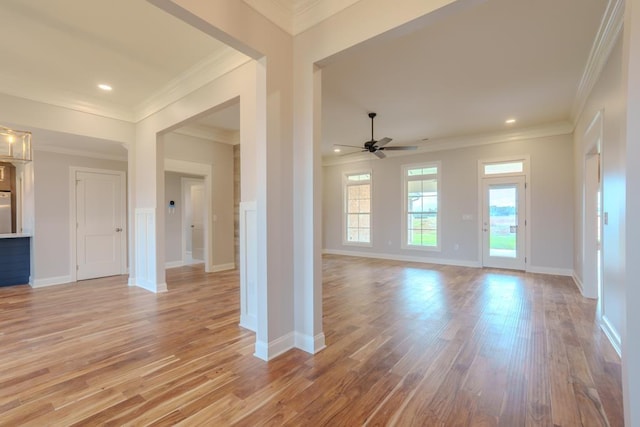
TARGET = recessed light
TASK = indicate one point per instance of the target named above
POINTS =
(336, 150)
(510, 121)
(105, 87)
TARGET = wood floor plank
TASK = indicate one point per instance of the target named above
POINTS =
(407, 344)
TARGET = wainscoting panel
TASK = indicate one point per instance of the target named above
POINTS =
(248, 266)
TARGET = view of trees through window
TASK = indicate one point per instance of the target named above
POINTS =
(358, 208)
(421, 184)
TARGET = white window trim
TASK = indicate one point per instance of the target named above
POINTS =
(345, 181)
(405, 245)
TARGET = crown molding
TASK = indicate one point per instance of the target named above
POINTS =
(65, 99)
(210, 134)
(457, 142)
(296, 16)
(280, 12)
(209, 69)
(307, 13)
(606, 38)
(81, 153)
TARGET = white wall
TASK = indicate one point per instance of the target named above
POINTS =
(631, 333)
(551, 208)
(220, 157)
(51, 241)
(608, 96)
(173, 220)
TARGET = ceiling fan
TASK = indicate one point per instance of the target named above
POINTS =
(377, 147)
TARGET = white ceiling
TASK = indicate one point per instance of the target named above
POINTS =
(462, 75)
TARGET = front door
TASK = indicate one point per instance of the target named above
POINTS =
(503, 222)
(100, 224)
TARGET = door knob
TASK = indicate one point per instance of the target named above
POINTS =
(118, 230)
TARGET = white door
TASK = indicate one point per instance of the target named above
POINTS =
(197, 222)
(503, 222)
(100, 224)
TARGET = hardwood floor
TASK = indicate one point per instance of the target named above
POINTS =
(407, 344)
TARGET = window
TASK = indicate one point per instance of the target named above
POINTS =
(504, 168)
(421, 203)
(357, 208)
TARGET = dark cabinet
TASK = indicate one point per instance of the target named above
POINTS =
(15, 261)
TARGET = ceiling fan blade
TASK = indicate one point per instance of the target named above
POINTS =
(400, 148)
(359, 147)
(383, 142)
(379, 154)
(353, 152)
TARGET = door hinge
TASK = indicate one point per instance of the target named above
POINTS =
(525, 185)
(77, 267)
(525, 222)
(525, 260)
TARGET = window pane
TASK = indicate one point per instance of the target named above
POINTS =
(352, 192)
(359, 177)
(352, 220)
(422, 206)
(433, 170)
(498, 168)
(363, 221)
(364, 191)
(358, 208)
(414, 187)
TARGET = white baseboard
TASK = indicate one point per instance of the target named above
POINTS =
(578, 282)
(156, 289)
(442, 261)
(612, 334)
(407, 258)
(223, 267)
(174, 264)
(51, 281)
(550, 270)
(268, 351)
(309, 343)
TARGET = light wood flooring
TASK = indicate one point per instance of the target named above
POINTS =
(407, 344)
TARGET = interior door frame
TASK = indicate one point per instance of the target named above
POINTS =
(185, 185)
(525, 159)
(73, 231)
(202, 170)
(591, 286)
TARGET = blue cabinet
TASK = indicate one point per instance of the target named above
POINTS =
(15, 261)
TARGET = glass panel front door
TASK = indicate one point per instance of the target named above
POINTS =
(503, 222)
